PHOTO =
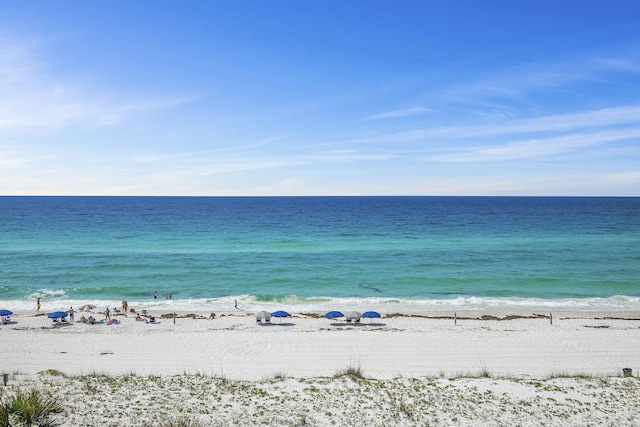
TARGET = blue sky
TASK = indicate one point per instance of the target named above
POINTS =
(349, 97)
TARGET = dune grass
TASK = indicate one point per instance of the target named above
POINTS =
(30, 408)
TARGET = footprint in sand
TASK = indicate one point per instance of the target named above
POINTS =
(244, 350)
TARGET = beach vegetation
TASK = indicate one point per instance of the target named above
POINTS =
(485, 373)
(193, 400)
(279, 376)
(182, 422)
(52, 372)
(580, 375)
(131, 376)
(14, 374)
(30, 408)
(353, 372)
(221, 379)
(401, 406)
(97, 375)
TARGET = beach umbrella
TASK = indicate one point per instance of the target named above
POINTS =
(263, 315)
(280, 313)
(354, 315)
(57, 314)
(371, 314)
(6, 312)
(87, 307)
(333, 315)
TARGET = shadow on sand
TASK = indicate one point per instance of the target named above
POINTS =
(276, 324)
(358, 324)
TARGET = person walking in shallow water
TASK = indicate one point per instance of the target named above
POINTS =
(38, 305)
(155, 294)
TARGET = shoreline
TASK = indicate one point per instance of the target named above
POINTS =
(496, 314)
(250, 303)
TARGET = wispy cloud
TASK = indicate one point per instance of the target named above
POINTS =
(340, 157)
(415, 111)
(17, 60)
(519, 89)
(532, 148)
(629, 64)
(32, 97)
(198, 155)
(551, 123)
(573, 122)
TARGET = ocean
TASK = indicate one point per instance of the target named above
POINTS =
(320, 253)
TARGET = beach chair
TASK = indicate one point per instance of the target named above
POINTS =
(354, 316)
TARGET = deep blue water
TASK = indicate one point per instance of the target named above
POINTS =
(307, 252)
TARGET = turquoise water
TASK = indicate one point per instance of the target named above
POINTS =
(313, 253)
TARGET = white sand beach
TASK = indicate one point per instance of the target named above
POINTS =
(417, 368)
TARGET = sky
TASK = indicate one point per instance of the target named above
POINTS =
(320, 97)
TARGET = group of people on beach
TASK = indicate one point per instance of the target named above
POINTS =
(107, 312)
(90, 320)
(125, 305)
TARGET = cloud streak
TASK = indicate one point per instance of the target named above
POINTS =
(415, 111)
(33, 98)
(580, 123)
(535, 148)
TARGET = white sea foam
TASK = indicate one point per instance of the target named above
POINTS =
(47, 293)
(320, 304)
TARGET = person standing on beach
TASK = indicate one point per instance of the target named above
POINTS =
(107, 314)
(70, 314)
(38, 304)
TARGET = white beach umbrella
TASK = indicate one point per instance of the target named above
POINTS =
(354, 315)
(263, 316)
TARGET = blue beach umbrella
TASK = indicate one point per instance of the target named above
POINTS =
(280, 313)
(57, 314)
(6, 312)
(371, 314)
(333, 315)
